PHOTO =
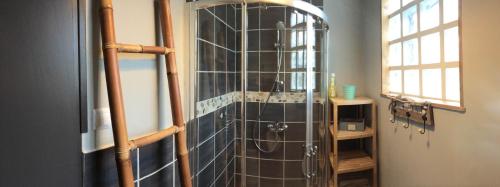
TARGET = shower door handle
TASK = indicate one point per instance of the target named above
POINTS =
(314, 163)
(309, 164)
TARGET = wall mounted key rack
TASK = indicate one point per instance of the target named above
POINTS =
(410, 111)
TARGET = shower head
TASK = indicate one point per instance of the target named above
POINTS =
(280, 25)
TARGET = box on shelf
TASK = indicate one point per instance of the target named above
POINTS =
(352, 124)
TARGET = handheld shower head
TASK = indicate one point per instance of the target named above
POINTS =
(280, 26)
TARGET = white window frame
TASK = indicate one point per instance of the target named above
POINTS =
(442, 102)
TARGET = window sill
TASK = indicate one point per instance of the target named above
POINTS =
(441, 105)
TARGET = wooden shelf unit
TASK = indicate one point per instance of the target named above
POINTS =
(353, 160)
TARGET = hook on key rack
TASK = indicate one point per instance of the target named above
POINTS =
(425, 109)
(392, 108)
(408, 115)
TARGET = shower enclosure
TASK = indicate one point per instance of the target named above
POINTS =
(259, 69)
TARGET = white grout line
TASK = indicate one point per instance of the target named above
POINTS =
(216, 45)
(220, 175)
(158, 170)
(174, 150)
(272, 177)
(221, 19)
(269, 159)
(213, 160)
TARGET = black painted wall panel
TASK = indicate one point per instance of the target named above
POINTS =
(39, 94)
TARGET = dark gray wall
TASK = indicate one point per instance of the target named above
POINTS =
(39, 94)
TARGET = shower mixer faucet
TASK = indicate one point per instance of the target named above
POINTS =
(279, 86)
(277, 126)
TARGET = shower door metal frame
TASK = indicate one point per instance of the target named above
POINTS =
(300, 5)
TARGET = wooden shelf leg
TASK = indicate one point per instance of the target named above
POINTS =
(335, 180)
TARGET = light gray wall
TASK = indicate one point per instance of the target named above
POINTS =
(143, 77)
(463, 149)
(345, 59)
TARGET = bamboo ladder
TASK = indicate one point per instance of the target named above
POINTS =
(123, 145)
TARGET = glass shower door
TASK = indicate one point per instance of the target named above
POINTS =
(284, 96)
(259, 77)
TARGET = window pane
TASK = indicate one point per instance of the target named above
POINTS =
(405, 2)
(395, 27)
(431, 80)
(429, 14)
(410, 21)
(450, 10)
(453, 84)
(395, 81)
(451, 45)
(410, 52)
(395, 54)
(412, 82)
(300, 38)
(431, 50)
(392, 5)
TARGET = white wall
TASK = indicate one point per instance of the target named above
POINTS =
(143, 77)
(463, 149)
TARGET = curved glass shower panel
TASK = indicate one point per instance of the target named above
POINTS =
(260, 87)
(215, 74)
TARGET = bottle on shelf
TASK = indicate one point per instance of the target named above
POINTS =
(331, 90)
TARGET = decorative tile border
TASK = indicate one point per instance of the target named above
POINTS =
(213, 104)
(285, 97)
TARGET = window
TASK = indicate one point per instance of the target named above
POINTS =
(298, 52)
(421, 51)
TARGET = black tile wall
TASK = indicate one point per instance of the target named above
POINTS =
(273, 112)
(100, 168)
(206, 85)
(271, 168)
(206, 55)
(206, 25)
(161, 179)
(253, 40)
(220, 58)
(206, 176)
(206, 127)
(220, 81)
(157, 155)
(270, 182)
(270, 16)
(206, 153)
(215, 148)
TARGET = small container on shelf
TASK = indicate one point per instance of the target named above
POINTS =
(352, 124)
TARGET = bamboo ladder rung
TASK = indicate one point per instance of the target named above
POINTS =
(138, 48)
(149, 139)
